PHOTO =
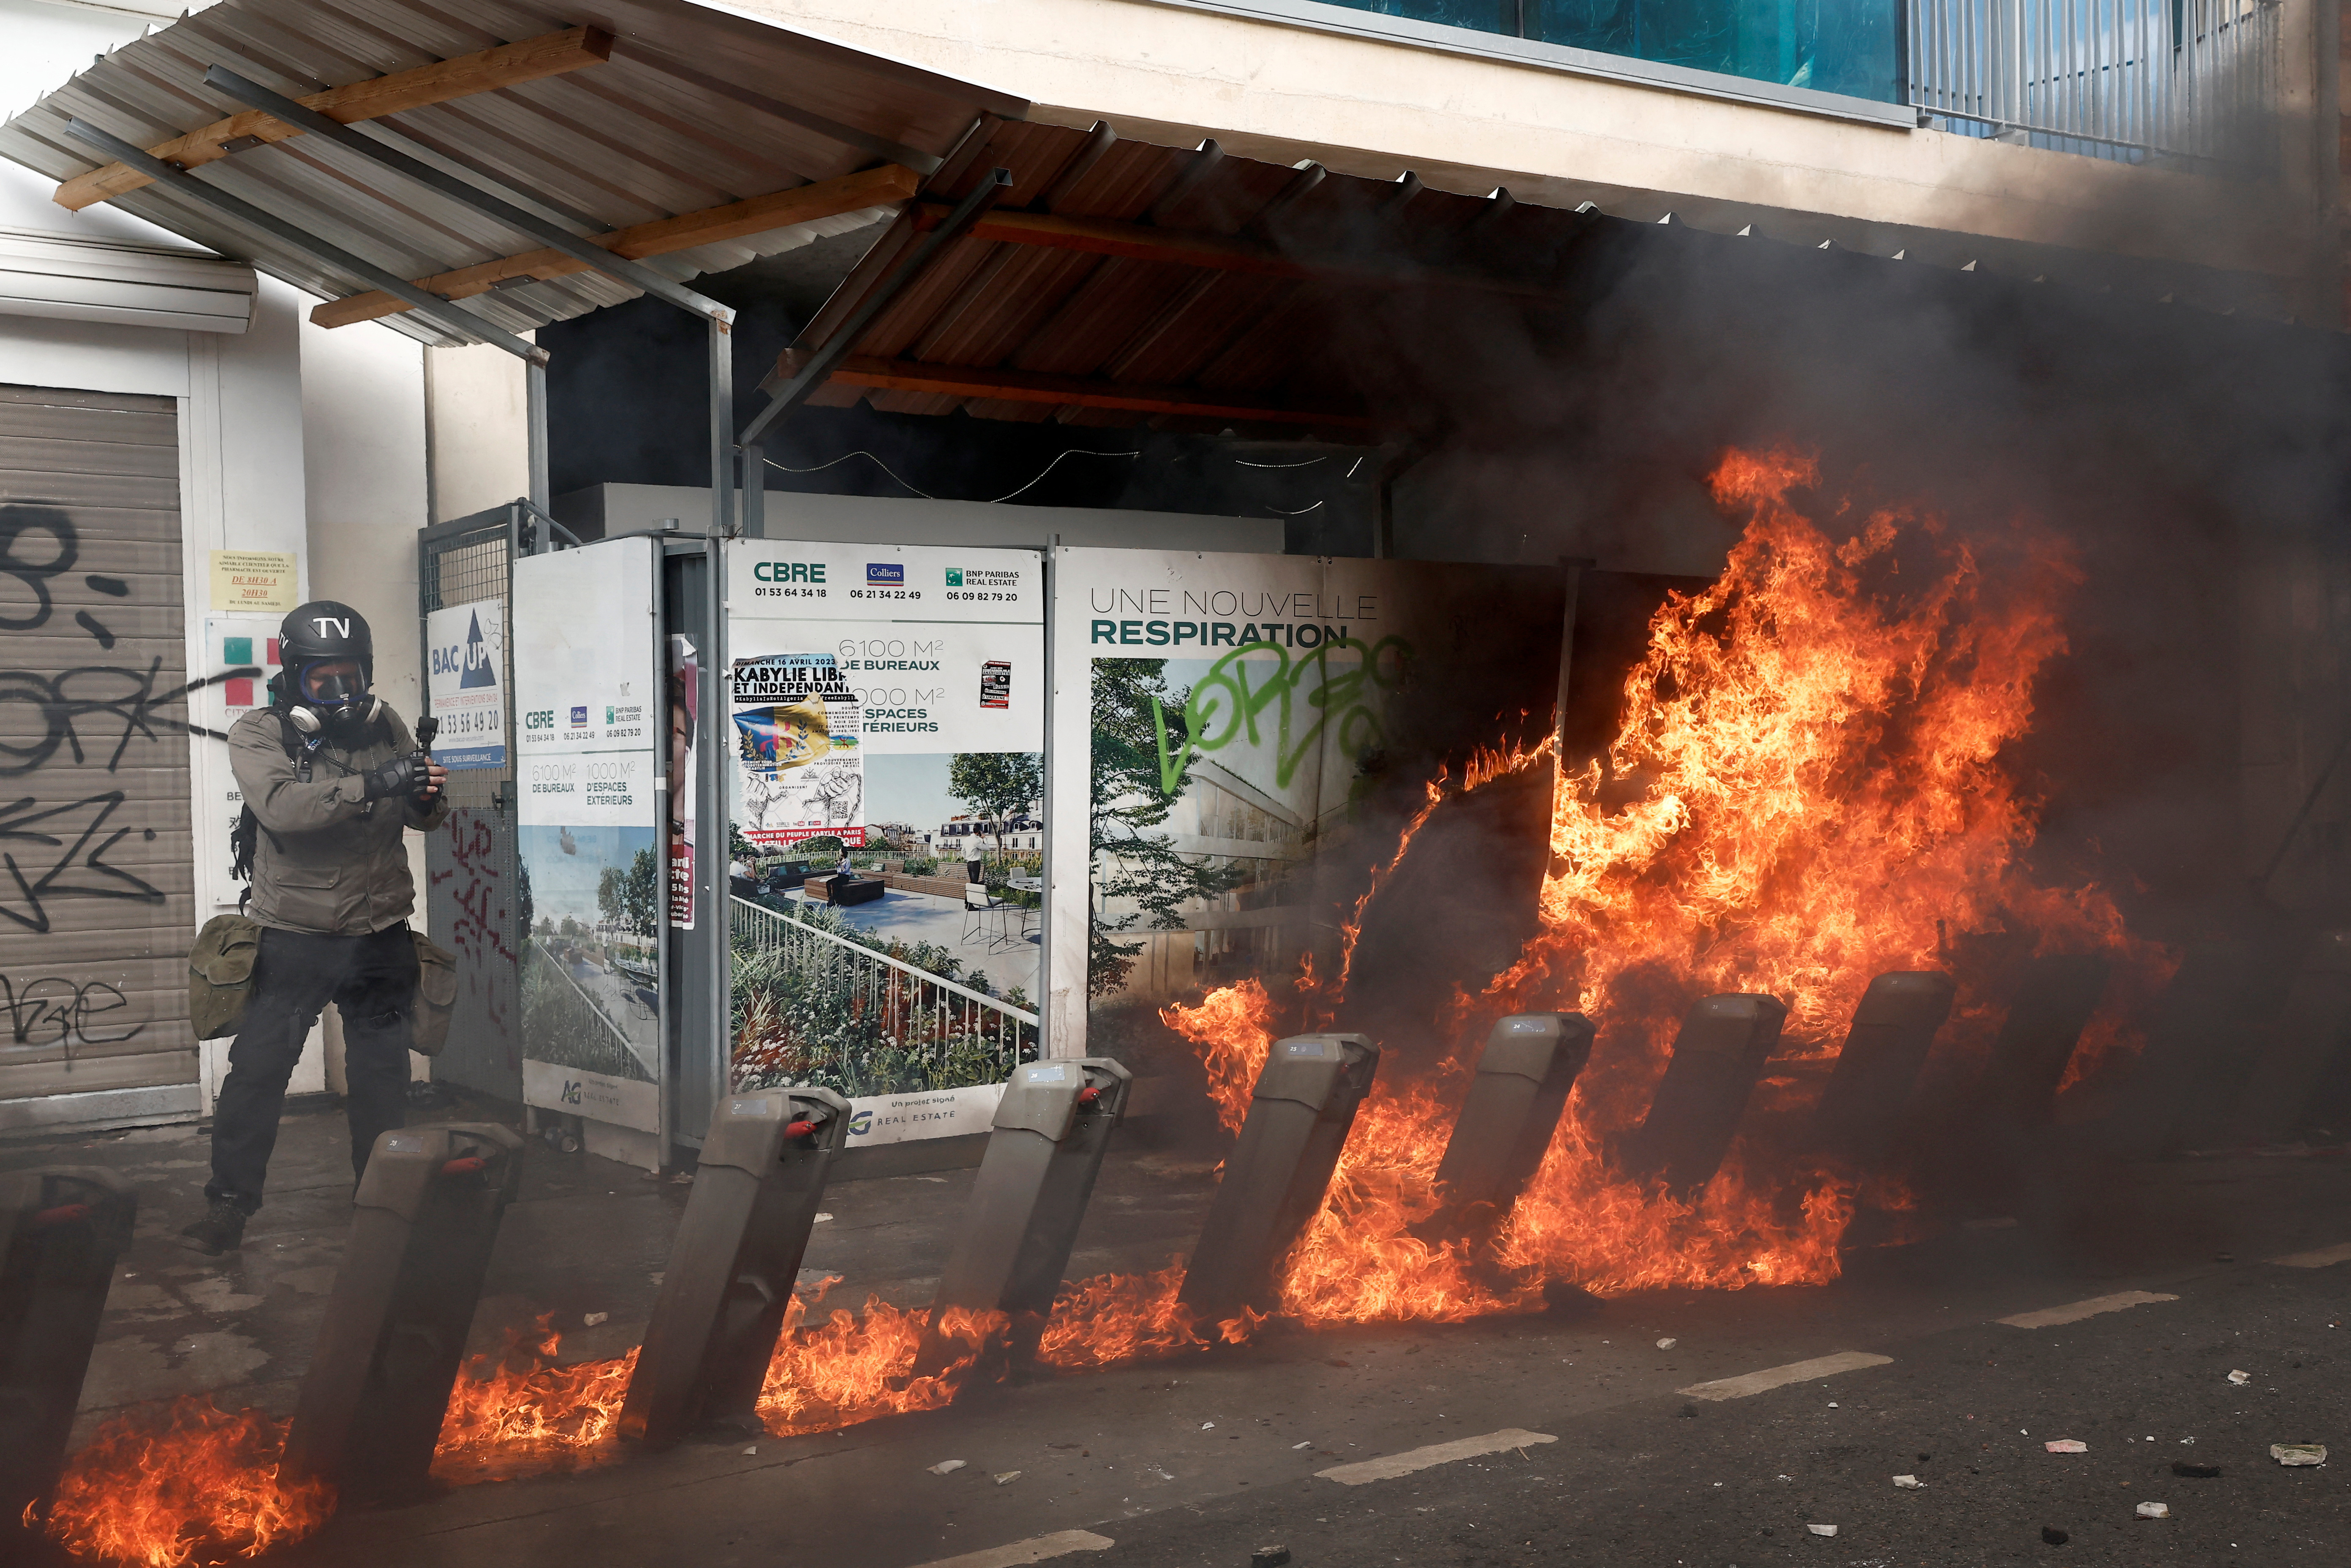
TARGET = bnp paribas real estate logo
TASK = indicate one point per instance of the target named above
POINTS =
(955, 577)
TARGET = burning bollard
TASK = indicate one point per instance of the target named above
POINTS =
(2300, 1047)
(1053, 1128)
(2054, 999)
(62, 1230)
(729, 1280)
(1718, 1056)
(1304, 1103)
(1860, 1114)
(1525, 1073)
(424, 1220)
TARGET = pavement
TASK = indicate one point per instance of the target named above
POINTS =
(1538, 1439)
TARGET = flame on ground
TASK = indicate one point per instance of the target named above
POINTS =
(1806, 791)
(179, 1483)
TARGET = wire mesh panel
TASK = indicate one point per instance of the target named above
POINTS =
(472, 885)
(2195, 78)
(815, 1007)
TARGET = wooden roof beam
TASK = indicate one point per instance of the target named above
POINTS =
(1078, 391)
(888, 185)
(508, 65)
(1220, 253)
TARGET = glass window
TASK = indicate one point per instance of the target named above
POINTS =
(1832, 46)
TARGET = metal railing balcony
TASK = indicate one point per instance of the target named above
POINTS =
(2185, 78)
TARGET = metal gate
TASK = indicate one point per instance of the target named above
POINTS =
(471, 882)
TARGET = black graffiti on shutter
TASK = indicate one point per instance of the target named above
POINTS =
(54, 1011)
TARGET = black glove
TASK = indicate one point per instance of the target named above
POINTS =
(397, 777)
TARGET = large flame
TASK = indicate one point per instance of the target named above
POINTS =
(1806, 791)
(182, 1482)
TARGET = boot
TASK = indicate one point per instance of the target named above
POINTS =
(222, 1229)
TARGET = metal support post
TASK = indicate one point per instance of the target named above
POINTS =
(171, 178)
(1718, 1056)
(1052, 1129)
(1525, 1073)
(728, 1286)
(534, 379)
(423, 1222)
(1299, 1118)
(61, 1230)
(722, 427)
(1859, 1117)
(714, 831)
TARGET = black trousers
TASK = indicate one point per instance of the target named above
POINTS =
(371, 980)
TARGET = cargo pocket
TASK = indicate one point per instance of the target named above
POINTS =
(436, 996)
(220, 974)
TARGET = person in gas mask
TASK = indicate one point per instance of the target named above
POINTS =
(331, 780)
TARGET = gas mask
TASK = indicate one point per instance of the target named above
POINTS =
(331, 699)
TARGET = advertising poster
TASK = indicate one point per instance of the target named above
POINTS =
(1252, 732)
(886, 709)
(685, 707)
(588, 831)
(464, 658)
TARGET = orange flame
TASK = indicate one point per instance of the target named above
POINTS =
(167, 1485)
(1806, 791)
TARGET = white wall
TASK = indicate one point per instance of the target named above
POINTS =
(46, 43)
(480, 439)
(1374, 107)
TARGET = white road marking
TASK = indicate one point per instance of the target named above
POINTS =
(1035, 1550)
(2318, 1260)
(1413, 1460)
(1772, 1378)
(2074, 1311)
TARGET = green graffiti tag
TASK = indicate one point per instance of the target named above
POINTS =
(1308, 699)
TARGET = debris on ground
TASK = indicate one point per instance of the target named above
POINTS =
(1909, 1483)
(2298, 1453)
(1667, 1344)
(1308, 1444)
(1208, 1426)
(1005, 1477)
(1269, 1557)
(2194, 1471)
(946, 1466)
(2153, 1510)
(2066, 1445)
(2054, 1536)
(752, 1451)
(1334, 1360)
(593, 1319)
(1821, 1529)
(2240, 1377)
(822, 1218)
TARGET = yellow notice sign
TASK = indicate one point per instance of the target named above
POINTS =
(252, 580)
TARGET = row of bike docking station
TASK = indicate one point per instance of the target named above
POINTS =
(427, 1214)
(371, 1401)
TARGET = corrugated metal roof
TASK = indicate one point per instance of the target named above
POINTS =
(694, 109)
(1368, 263)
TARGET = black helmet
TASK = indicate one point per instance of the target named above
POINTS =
(326, 630)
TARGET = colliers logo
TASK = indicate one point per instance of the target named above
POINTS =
(886, 573)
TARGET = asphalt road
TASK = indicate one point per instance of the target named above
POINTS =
(1203, 1459)
(1967, 1412)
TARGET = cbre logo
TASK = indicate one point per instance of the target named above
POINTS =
(543, 719)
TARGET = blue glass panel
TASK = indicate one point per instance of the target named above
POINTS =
(1832, 46)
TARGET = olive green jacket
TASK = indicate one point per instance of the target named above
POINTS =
(328, 859)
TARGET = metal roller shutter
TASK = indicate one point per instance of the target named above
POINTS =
(97, 897)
